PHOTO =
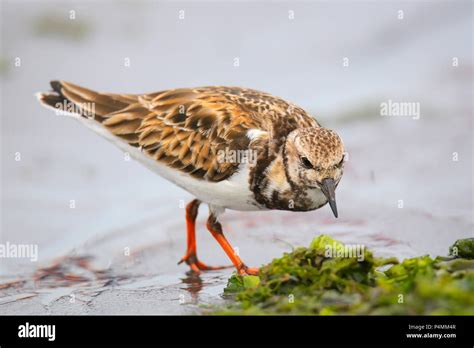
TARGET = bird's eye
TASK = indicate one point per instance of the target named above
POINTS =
(306, 163)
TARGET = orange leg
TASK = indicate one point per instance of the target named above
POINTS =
(191, 253)
(216, 229)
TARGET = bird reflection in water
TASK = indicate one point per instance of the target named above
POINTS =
(193, 284)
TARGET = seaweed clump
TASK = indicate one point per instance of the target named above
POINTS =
(328, 278)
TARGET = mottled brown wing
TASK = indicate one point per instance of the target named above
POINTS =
(182, 128)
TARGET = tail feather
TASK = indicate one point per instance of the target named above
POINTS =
(83, 101)
(50, 99)
(106, 113)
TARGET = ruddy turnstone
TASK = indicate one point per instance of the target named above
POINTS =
(230, 147)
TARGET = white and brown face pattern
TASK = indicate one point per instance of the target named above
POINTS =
(312, 155)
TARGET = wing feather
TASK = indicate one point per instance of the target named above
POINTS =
(186, 128)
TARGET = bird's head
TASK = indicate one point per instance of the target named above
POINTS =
(315, 160)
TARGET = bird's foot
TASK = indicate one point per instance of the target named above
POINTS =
(244, 270)
(198, 266)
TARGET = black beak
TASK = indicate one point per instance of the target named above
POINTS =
(328, 187)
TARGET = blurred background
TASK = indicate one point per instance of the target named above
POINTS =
(109, 232)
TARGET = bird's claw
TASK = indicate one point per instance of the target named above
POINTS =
(198, 266)
(244, 270)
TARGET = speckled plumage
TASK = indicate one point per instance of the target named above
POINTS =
(186, 127)
(182, 134)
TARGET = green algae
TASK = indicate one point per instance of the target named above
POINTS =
(322, 280)
(463, 248)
